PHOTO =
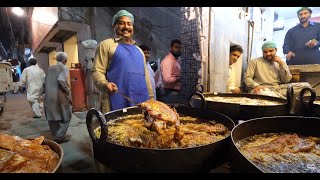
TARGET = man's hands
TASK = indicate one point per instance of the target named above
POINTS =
(236, 90)
(257, 89)
(111, 87)
(278, 60)
(290, 55)
(312, 43)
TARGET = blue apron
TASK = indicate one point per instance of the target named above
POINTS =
(126, 70)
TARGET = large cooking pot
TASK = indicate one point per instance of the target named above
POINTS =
(241, 111)
(132, 159)
(305, 105)
(306, 126)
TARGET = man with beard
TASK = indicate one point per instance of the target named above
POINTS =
(120, 65)
(301, 43)
(235, 53)
(269, 75)
(171, 70)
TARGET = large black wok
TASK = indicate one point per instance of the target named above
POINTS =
(306, 126)
(130, 159)
(241, 111)
(305, 105)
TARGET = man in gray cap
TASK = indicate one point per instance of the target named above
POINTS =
(120, 65)
(301, 43)
(269, 75)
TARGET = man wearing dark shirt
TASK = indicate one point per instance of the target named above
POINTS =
(301, 44)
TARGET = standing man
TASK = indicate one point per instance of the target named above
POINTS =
(15, 79)
(171, 72)
(269, 75)
(146, 51)
(57, 104)
(33, 79)
(120, 65)
(235, 53)
(301, 43)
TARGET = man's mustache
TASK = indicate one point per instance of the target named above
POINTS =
(126, 29)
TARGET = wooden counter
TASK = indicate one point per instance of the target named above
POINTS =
(308, 73)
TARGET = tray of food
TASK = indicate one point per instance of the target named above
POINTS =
(38, 155)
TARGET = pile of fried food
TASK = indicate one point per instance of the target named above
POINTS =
(243, 101)
(160, 127)
(131, 131)
(282, 153)
(18, 155)
(159, 116)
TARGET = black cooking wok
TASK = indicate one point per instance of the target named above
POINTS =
(132, 159)
(305, 105)
(241, 111)
(306, 126)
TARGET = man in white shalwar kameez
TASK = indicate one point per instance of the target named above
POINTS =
(33, 79)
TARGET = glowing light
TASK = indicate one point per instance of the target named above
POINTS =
(18, 11)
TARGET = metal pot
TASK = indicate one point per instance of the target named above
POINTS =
(131, 159)
(305, 104)
(58, 149)
(306, 126)
(241, 111)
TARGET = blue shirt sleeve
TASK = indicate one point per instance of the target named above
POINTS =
(287, 41)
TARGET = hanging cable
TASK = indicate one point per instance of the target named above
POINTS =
(14, 41)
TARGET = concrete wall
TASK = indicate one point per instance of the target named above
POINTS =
(263, 29)
(228, 27)
(43, 60)
(42, 21)
(71, 48)
(52, 58)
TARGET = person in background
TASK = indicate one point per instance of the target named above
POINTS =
(146, 51)
(171, 73)
(153, 66)
(120, 65)
(270, 75)
(235, 53)
(15, 79)
(301, 43)
(57, 104)
(159, 84)
(33, 79)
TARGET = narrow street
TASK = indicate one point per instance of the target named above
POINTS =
(16, 119)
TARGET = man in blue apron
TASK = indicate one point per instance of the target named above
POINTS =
(120, 65)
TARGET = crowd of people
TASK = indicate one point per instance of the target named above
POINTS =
(120, 65)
